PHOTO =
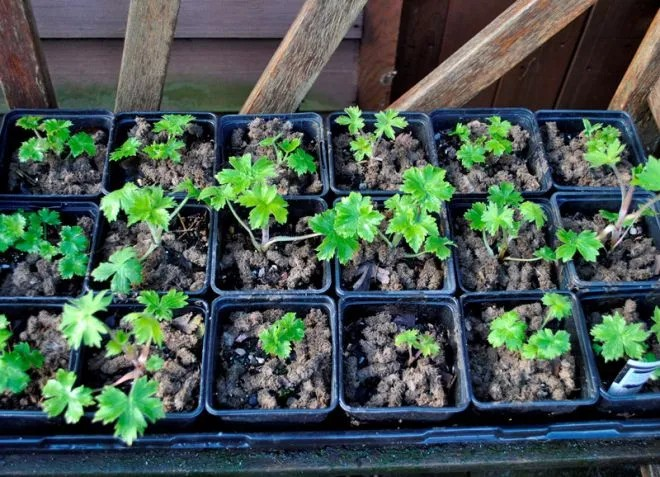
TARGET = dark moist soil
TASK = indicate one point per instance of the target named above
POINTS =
(180, 261)
(287, 181)
(285, 266)
(565, 154)
(385, 170)
(41, 333)
(197, 158)
(31, 275)
(377, 372)
(56, 175)
(635, 259)
(608, 371)
(514, 167)
(479, 271)
(250, 379)
(178, 379)
(502, 375)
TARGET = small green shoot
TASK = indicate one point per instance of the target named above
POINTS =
(425, 344)
(16, 362)
(291, 152)
(58, 138)
(277, 338)
(475, 151)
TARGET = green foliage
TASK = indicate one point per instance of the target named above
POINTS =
(244, 174)
(353, 120)
(154, 363)
(81, 143)
(585, 243)
(386, 121)
(356, 217)
(655, 328)
(617, 339)
(603, 145)
(504, 194)
(462, 132)
(162, 307)
(425, 343)
(12, 229)
(546, 344)
(559, 306)
(128, 149)
(427, 187)
(333, 243)
(647, 176)
(60, 396)
(276, 339)
(495, 142)
(291, 152)
(58, 138)
(147, 204)
(173, 124)
(15, 365)
(123, 268)
(29, 122)
(80, 323)
(165, 150)
(471, 153)
(498, 130)
(362, 147)
(509, 330)
(32, 150)
(264, 202)
(363, 144)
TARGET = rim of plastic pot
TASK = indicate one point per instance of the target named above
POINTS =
(597, 200)
(122, 124)
(466, 203)
(449, 268)
(67, 207)
(462, 394)
(641, 402)
(572, 119)
(582, 354)
(269, 416)
(418, 123)
(310, 124)
(294, 201)
(99, 118)
(189, 207)
(442, 119)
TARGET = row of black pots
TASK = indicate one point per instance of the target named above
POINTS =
(447, 312)
(427, 129)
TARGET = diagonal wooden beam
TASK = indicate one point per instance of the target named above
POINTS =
(654, 102)
(504, 43)
(149, 32)
(313, 37)
(23, 73)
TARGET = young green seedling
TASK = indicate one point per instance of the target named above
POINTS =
(15, 362)
(57, 139)
(425, 344)
(291, 153)
(277, 338)
(495, 142)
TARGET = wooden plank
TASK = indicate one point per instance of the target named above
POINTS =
(197, 18)
(654, 102)
(378, 49)
(313, 37)
(522, 28)
(23, 73)
(650, 470)
(149, 33)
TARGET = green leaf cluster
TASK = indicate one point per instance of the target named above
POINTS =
(291, 152)
(57, 139)
(411, 339)
(16, 362)
(647, 176)
(586, 243)
(495, 142)
(603, 145)
(615, 339)
(277, 338)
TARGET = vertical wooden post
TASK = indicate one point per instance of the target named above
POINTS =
(149, 32)
(23, 71)
(312, 38)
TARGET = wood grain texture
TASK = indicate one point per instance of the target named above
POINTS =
(654, 102)
(513, 35)
(23, 73)
(149, 33)
(377, 65)
(313, 37)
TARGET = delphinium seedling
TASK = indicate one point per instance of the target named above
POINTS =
(130, 412)
(277, 338)
(425, 344)
(509, 330)
(174, 125)
(57, 139)
(475, 151)
(363, 144)
(291, 153)
(15, 362)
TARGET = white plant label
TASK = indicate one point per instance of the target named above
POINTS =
(632, 377)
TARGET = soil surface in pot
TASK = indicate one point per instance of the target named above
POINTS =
(41, 333)
(250, 379)
(565, 154)
(197, 158)
(180, 261)
(608, 371)
(287, 181)
(377, 373)
(178, 379)
(635, 259)
(24, 274)
(284, 266)
(515, 167)
(382, 172)
(502, 375)
(479, 271)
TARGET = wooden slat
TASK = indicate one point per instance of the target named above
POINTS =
(517, 32)
(650, 470)
(377, 64)
(23, 70)
(306, 48)
(149, 32)
(654, 102)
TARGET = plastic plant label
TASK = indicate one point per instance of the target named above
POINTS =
(632, 377)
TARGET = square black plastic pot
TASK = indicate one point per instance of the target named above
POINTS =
(419, 126)
(604, 302)
(11, 137)
(66, 209)
(221, 309)
(567, 202)
(115, 177)
(570, 122)
(458, 207)
(444, 119)
(444, 310)
(310, 124)
(298, 207)
(584, 362)
(22, 420)
(172, 420)
(449, 280)
(187, 210)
